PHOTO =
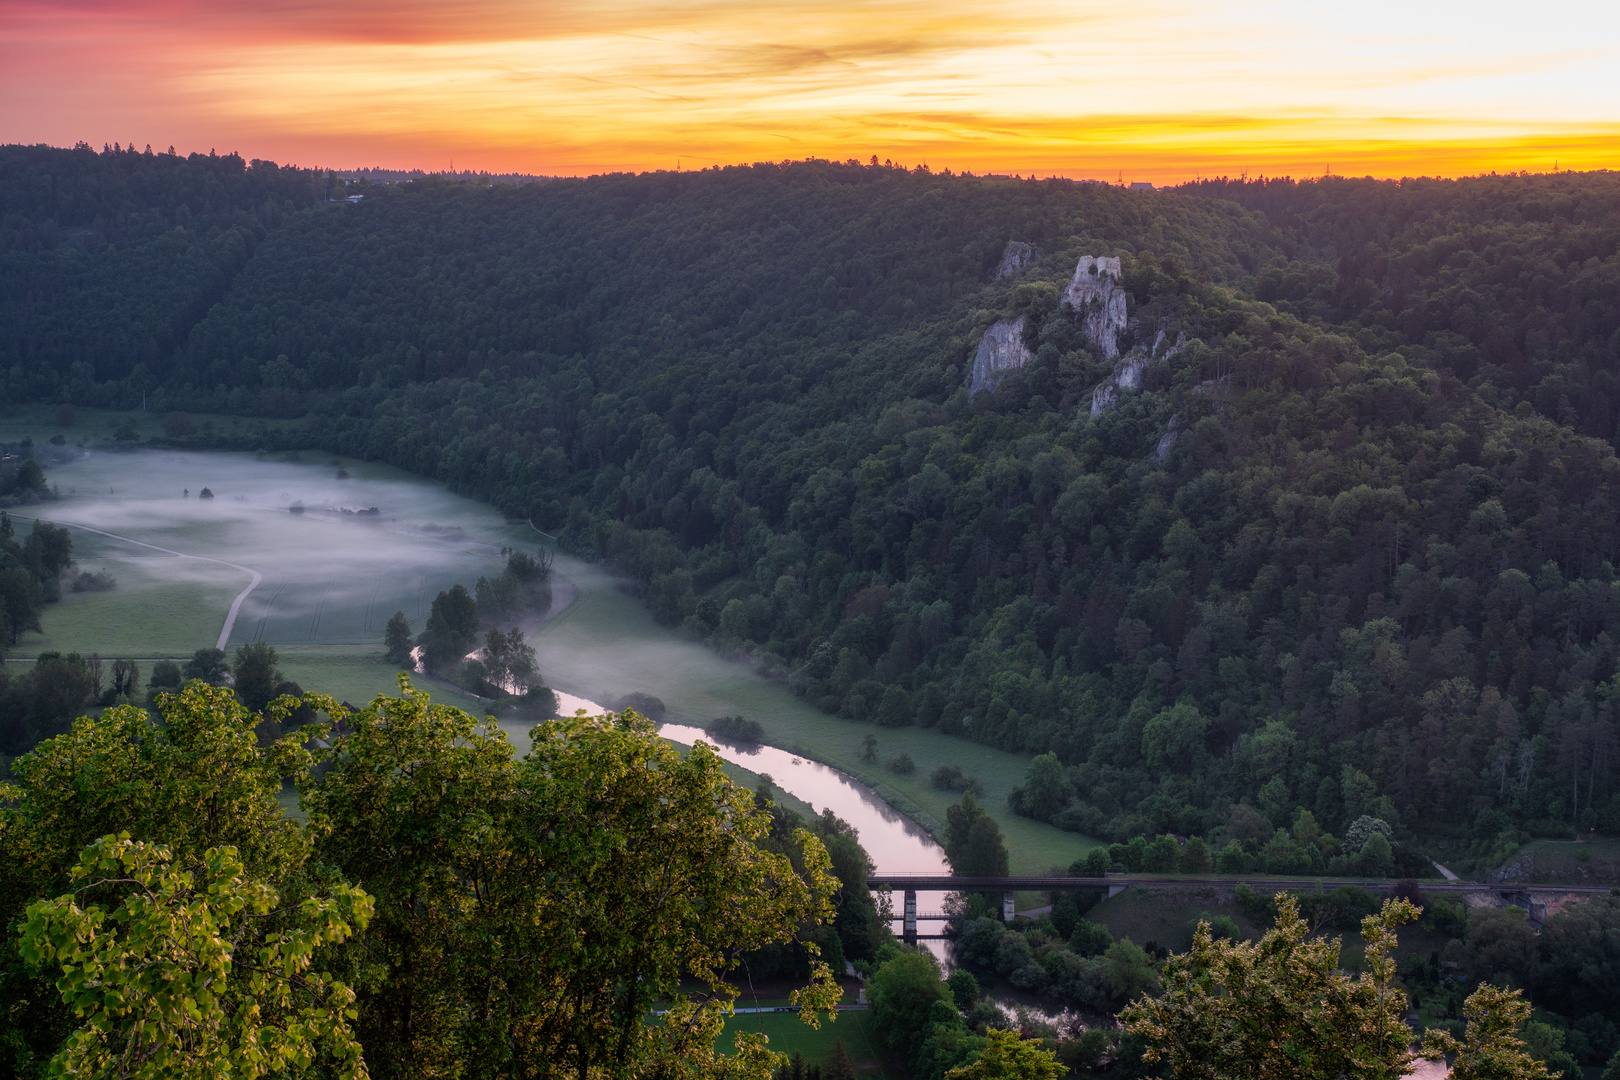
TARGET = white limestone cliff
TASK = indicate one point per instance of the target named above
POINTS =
(1098, 299)
(1017, 256)
(1002, 349)
(1127, 376)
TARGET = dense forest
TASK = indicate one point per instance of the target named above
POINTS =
(1343, 546)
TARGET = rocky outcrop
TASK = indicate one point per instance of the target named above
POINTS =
(1127, 376)
(1017, 256)
(1002, 349)
(1098, 300)
(1167, 441)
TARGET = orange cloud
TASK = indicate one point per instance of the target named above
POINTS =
(1157, 89)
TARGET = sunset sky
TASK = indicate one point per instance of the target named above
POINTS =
(1157, 90)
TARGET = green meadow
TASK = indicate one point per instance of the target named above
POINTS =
(789, 1035)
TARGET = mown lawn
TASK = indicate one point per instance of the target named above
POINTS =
(163, 606)
(790, 1036)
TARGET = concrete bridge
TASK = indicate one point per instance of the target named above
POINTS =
(1525, 896)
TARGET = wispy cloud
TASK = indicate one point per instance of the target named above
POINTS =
(1163, 88)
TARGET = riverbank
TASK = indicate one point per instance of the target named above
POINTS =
(605, 645)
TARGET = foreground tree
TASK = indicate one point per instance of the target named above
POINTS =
(1010, 1057)
(528, 914)
(1280, 1008)
(198, 780)
(194, 970)
(1491, 1048)
(1235, 1010)
(531, 912)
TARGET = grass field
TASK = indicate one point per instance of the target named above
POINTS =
(331, 576)
(789, 1035)
(163, 606)
(357, 675)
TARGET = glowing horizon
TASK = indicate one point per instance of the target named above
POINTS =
(1157, 90)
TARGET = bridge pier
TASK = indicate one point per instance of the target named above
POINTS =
(910, 931)
(1006, 907)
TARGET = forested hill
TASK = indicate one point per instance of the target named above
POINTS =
(108, 260)
(1512, 282)
(1315, 561)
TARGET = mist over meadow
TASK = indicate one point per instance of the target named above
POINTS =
(357, 550)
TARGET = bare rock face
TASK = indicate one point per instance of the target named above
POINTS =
(1098, 300)
(1127, 376)
(1001, 349)
(1017, 256)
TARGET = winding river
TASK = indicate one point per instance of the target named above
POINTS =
(892, 840)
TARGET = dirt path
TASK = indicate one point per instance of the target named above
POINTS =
(236, 605)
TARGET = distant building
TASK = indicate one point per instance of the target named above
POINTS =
(1141, 185)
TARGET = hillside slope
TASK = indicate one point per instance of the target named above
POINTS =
(1289, 558)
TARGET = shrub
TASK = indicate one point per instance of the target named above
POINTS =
(952, 778)
(537, 703)
(1220, 926)
(964, 988)
(1095, 864)
(1231, 860)
(1090, 939)
(97, 582)
(1195, 858)
(1362, 829)
(736, 729)
(902, 765)
(645, 704)
(1162, 855)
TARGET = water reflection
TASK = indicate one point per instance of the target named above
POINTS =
(896, 844)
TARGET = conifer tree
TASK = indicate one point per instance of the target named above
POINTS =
(397, 639)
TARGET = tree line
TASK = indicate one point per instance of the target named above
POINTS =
(504, 667)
